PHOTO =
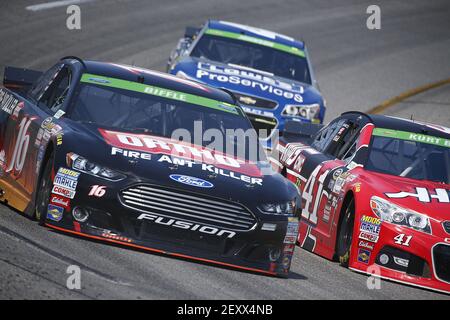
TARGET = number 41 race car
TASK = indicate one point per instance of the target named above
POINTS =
(375, 195)
(88, 149)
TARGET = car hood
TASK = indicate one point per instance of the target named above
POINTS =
(417, 195)
(248, 81)
(153, 159)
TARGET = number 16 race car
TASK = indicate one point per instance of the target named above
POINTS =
(88, 148)
(375, 195)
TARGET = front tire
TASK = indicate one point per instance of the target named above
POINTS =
(344, 239)
(44, 190)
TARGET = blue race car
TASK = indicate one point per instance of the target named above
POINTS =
(269, 74)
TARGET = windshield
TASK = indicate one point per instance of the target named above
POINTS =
(410, 155)
(135, 107)
(279, 60)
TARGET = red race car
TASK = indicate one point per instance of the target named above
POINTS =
(375, 194)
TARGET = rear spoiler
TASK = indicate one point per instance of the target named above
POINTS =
(19, 79)
(295, 131)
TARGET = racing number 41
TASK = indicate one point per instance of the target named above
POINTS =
(308, 196)
(21, 147)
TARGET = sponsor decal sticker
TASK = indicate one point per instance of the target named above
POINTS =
(69, 173)
(63, 181)
(209, 168)
(410, 136)
(121, 141)
(289, 249)
(187, 225)
(161, 92)
(337, 173)
(59, 114)
(7, 101)
(368, 236)
(246, 78)
(110, 235)
(290, 239)
(267, 43)
(63, 192)
(59, 139)
(291, 232)
(365, 245)
(192, 181)
(286, 262)
(364, 256)
(292, 229)
(55, 213)
(60, 201)
(370, 228)
(372, 220)
(50, 127)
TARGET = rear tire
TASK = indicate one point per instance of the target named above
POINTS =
(345, 235)
(44, 190)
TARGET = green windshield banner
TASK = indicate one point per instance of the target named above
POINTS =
(262, 42)
(159, 92)
(410, 136)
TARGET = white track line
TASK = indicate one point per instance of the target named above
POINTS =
(54, 4)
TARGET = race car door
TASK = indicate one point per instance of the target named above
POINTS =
(24, 135)
(317, 172)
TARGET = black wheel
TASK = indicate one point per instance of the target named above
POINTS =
(44, 190)
(344, 239)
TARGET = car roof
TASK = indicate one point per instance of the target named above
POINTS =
(155, 78)
(395, 123)
(255, 32)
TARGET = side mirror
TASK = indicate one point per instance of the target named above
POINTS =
(191, 32)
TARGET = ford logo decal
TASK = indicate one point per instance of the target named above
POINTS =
(192, 181)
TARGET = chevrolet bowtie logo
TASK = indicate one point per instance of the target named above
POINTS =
(247, 100)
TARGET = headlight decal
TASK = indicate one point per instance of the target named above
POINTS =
(394, 214)
(81, 164)
(283, 208)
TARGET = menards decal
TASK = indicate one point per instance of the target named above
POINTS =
(411, 136)
(160, 145)
(159, 92)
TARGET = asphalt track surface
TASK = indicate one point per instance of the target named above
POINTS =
(356, 68)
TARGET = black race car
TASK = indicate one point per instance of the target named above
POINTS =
(104, 151)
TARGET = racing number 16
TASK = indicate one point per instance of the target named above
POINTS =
(21, 147)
